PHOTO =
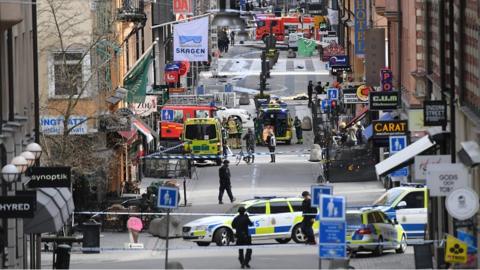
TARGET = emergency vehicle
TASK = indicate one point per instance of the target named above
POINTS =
(277, 117)
(174, 114)
(203, 138)
(273, 218)
(283, 26)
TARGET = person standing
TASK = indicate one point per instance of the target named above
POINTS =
(240, 223)
(232, 38)
(319, 88)
(250, 143)
(310, 93)
(298, 130)
(308, 213)
(225, 184)
(271, 143)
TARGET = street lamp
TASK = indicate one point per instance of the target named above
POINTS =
(30, 157)
(35, 148)
(10, 173)
(21, 163)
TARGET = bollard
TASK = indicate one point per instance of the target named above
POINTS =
(62, 260)
(315, 154)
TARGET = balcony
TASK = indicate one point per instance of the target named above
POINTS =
(10, 14)
(380, 7)
(131, 11)
(392, 11)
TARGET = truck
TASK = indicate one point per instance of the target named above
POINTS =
(283, 26)
(276, 116)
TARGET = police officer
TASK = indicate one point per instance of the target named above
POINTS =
(225, 184)
(271, 143)
(250, 143)
(298, 130)
(240, 223)
(310, 93)
(309, 214)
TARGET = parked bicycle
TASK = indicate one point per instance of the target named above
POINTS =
(247, 157)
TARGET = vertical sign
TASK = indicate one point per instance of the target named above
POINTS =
(374, 54)
(386, 79)
(360, 26)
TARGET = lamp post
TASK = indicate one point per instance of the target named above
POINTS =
(21, 163)
(10, 174)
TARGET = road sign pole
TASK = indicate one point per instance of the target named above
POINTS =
(168, 236)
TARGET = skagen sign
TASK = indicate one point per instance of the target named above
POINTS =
(387, 100)
(49, 177)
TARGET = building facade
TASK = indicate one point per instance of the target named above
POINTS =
(17, 111)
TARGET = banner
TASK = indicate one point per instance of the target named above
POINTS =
(136, 79)
(190, 40)
(360, 26)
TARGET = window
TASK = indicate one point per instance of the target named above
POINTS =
(69, 73)
(415, 199)
(202, 114)
(371, 218)
(296, 205)
(379, 218)
(257, 209)
(388, 197)
(200, 132)
(279, 207)
(354, 219)
(261, 23)
(178, 116)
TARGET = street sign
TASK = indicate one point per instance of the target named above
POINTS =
(167, 197)
(332, 240)
(17, 206)
(444, 178)
(397, 143)
(332, 208)
(167, 115)
(324, 104)
(317, 191)
(400, 172)
(332, 93)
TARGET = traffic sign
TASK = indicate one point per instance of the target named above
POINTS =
(332, 93)
(332, 207)
(397, 143)
(400, 172)
(333, 251)
(317, 191)
(332, 232)
(324, 104)
(167, 197)
(167, 115)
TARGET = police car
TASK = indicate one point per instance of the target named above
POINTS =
(273, 218)
(371, 230)
(408, 205)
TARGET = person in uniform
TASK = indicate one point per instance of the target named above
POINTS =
(310, 93)
(309, 214)
(225, 184)
(298, 130)
(240, 223)
(271, 143)
(250, 143)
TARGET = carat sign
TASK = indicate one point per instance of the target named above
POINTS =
(444, 178)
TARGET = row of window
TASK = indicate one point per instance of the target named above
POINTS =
(275, 207)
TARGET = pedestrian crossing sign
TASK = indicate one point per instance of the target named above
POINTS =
(397, 143)
(332, 93)
(167, 197)
(167, 115)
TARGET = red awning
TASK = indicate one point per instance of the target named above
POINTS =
(129, 136)
(359, 117)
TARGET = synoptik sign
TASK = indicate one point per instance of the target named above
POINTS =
(49, 177)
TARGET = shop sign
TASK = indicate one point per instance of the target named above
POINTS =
(435, 113)
(17, 206)
(444, 178)
(389, 128)
(179, 90)
(330, 39)
(53, 125)
(363, 92)
(146, 108)
(351, 99)
(339, 60)
(41, 177)
(384, 100)
(182, 6)
(386, 79)
(421, 163)
(360, 26)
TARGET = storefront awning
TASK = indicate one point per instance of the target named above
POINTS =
(54, 207)
(129, 136)
(359, 117)
(144, 129)
(404, 157)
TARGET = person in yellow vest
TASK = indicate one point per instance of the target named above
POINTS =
(232, 132)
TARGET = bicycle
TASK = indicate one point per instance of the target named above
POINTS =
(248, 158)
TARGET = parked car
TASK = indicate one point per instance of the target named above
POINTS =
(244, 115)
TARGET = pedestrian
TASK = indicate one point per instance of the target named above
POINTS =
(240, 223)
(319, 88)
(310, 93)
(298, 130)
(308, 213)
(271, 143)
(359, 133)
(232, 38)
(225, 184)
(250, 144)
(224, 142)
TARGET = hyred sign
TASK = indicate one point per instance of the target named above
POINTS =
(380, 101)
(49, 177)
(444, 178)
(17, 206)
(182, 6)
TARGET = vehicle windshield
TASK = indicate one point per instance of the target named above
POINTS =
(388, 197)
(200, 132)
(234, 209)
(354, 219)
